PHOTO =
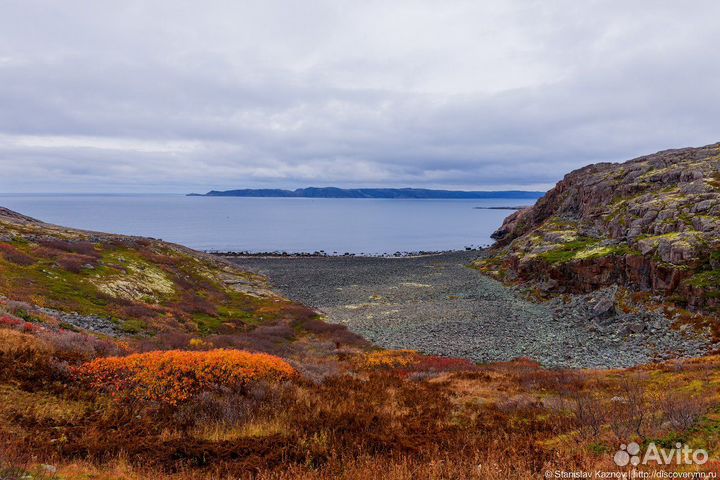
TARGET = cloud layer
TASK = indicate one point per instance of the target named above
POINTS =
(181, 96)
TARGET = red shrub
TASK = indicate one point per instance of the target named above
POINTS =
(139, 310)
(75, 263)
(18, 324)
(300, 314)
(307, 319)
(193, 303)
(28, 327)
(409, 361)
(164, 341)
(15, 256)
(8, 321)
(24, 357)
(158, 258)
(80, 247)
(46, 252)
(66, 345)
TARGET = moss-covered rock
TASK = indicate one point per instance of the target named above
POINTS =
(649, 223)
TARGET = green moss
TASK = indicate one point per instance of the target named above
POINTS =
(61, 289)
(593, 252)
(567, 251)
(584, 249)
(235, 309)
(239, 309)
(557, 223)
(714, 181)
(598, 252)
(709, 279)
(25, 316)
(673, 235)
(598, 449)
(207, 324)
(669, 440)
(134, 326)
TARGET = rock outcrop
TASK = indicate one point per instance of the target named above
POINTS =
(652, 223)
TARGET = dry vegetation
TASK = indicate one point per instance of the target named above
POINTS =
(224, 380)
(92, 408)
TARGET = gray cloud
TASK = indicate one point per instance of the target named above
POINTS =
(175, 96)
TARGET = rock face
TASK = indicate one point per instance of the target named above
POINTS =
(652, 223)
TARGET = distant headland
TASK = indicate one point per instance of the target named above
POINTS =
(333, 192)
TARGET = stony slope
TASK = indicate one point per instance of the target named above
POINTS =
(436, 305)
(650, 224)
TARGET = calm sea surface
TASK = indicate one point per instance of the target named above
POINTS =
(370, 226)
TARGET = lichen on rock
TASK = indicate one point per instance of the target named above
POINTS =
(652, 223)
(141, 283)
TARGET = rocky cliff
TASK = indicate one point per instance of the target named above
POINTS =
(651, 224)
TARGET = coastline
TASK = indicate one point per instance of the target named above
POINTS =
(323, 254)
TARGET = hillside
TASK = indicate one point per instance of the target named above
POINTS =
(137, 285)
(130, 358)
(118, 285)
(333, 192)
(651, 224)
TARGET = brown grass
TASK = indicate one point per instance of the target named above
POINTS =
(511, 420)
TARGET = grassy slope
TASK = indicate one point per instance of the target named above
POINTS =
(350, 413)
(145, 286)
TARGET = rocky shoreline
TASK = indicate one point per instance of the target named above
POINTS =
(437, 305)
(323, 253)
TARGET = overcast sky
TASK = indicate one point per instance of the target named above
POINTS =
(177, 96)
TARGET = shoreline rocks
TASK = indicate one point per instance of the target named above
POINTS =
(437, 305)
(323, 254)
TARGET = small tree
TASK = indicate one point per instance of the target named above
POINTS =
(588, 411)
(682, 410)
(629, 412)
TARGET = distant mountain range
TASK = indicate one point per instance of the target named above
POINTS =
(332, 192)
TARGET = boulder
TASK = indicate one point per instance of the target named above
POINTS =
(604, 308)
(636, 327)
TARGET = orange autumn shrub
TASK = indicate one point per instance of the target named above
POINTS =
(175, 376)
(405, 362)
(389, 359)
(23, 356)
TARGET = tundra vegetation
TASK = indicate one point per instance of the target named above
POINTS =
(131, 358)
(78, 405)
